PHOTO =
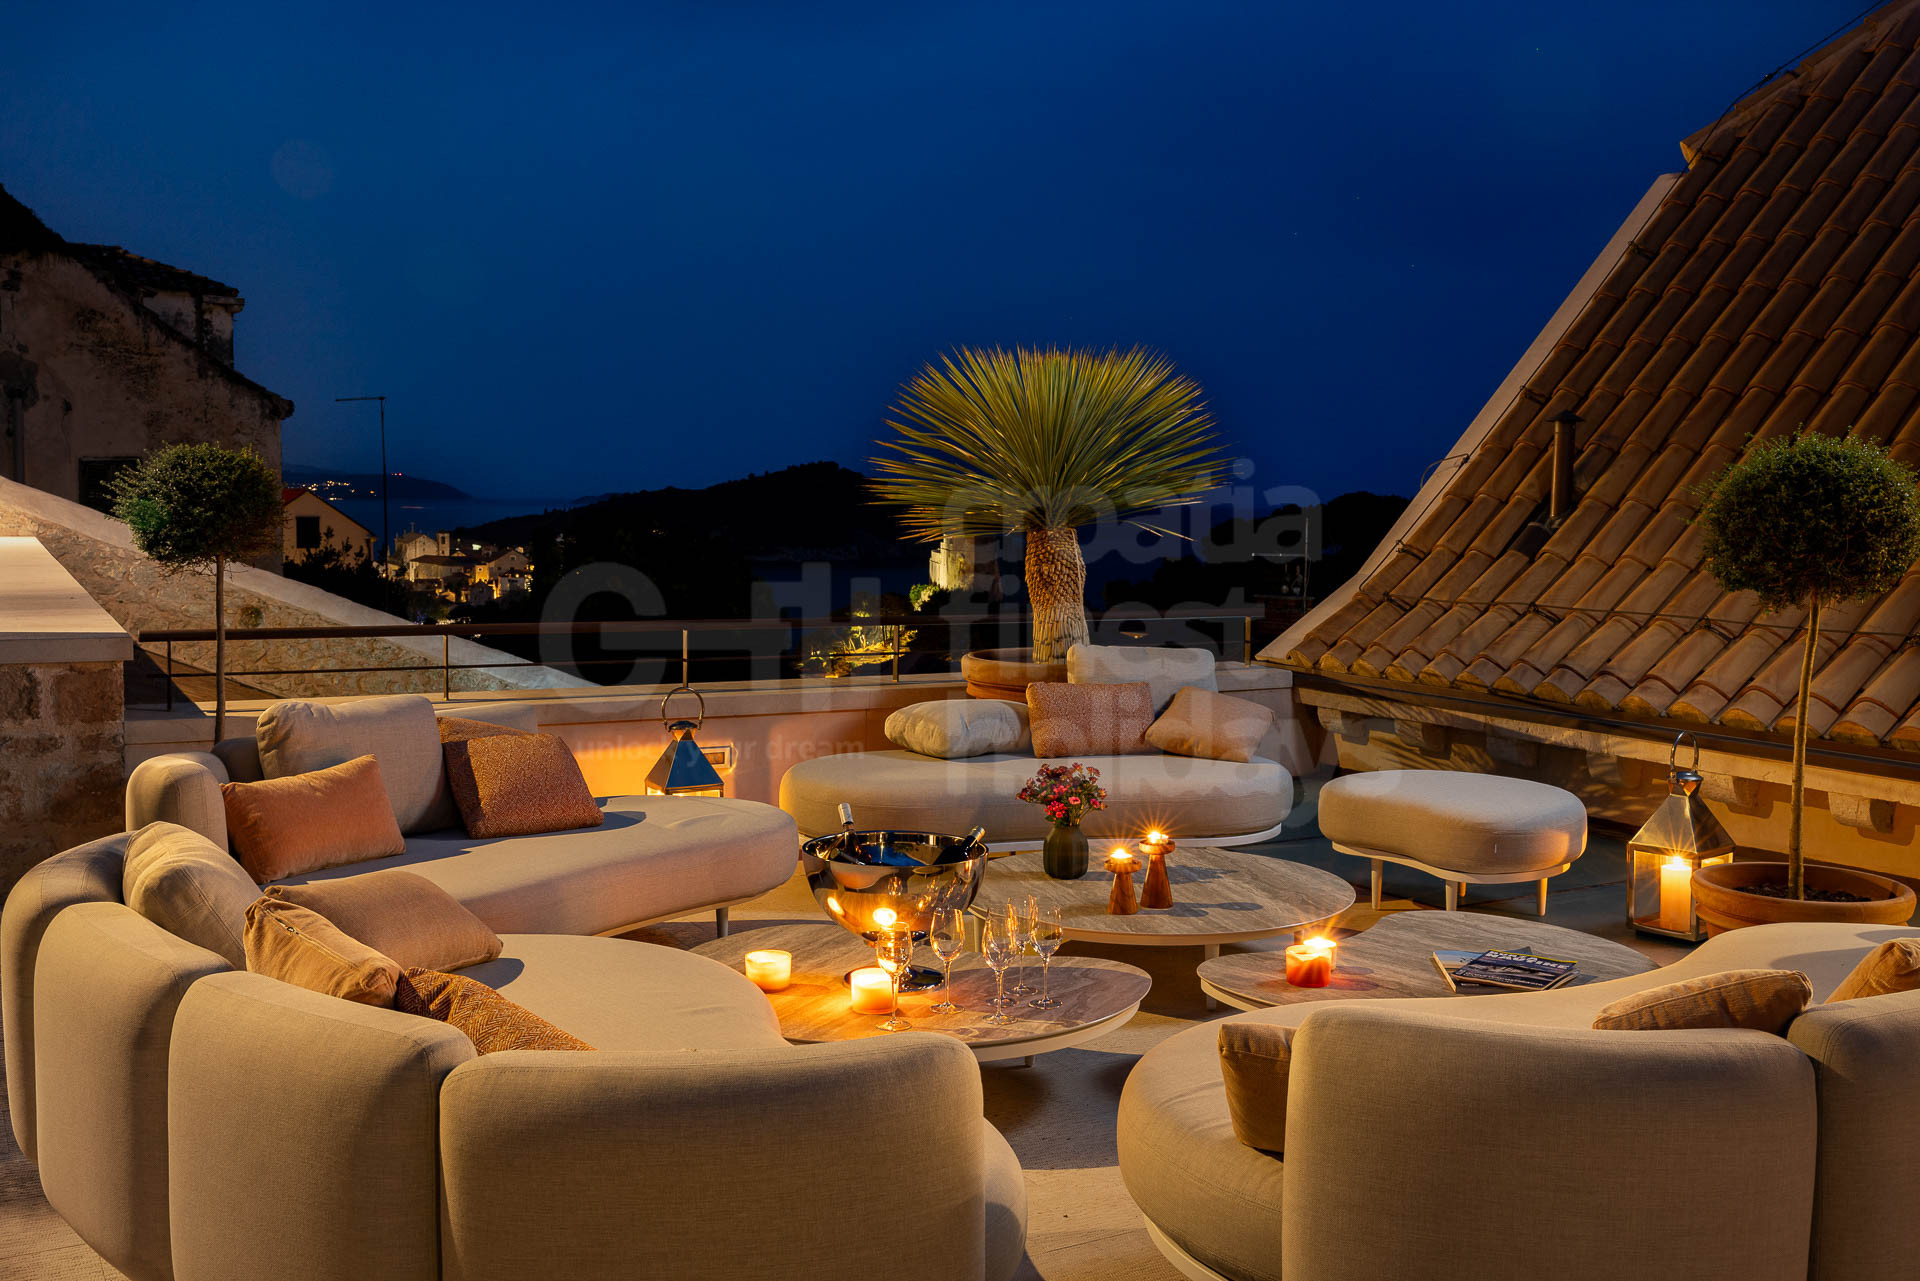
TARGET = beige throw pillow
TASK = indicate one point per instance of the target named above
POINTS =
(1090, 720)
(1254, 1062)
(1764, 1000)
(398, 730)
(954, 728)
(1165, 670)
(401, 914)
(301, 947)
(190, 887)
(1892, 967)
(1202, 723)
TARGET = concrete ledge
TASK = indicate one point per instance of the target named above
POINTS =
(47, 617)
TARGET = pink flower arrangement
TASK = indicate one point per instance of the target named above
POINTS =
(1068, 792)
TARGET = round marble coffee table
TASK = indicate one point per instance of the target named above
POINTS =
(1395, 958)
(1096, 996)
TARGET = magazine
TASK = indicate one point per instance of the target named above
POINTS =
(1516, 971)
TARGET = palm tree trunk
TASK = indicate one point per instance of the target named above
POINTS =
(219, 648)
(1057, 593)
(1796, 857)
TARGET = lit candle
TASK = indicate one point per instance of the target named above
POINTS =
(1155, 842)
(771, 970)
(883, 918)
(1121, 900)
(872, 991)
(1310, 964)
(1676, 895)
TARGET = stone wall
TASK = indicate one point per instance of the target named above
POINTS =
(63, 738)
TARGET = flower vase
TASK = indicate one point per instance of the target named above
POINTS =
(1065, 854)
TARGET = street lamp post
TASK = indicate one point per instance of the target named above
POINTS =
(386, 534)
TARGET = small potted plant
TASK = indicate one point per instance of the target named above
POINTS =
(1807, 523)
(1068, 793)
(203, 507)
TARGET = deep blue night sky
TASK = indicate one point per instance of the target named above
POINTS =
(592, 248)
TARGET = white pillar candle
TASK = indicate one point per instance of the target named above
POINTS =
(872, 991)
(1676, 895)
(770, 970)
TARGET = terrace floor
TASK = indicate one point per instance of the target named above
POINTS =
(1057, 1114)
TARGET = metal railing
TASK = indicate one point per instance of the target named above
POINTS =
(1011, 625)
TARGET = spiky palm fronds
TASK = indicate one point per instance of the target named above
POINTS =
(997, 442)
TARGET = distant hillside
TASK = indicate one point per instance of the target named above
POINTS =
(812, 511)
(351, 484)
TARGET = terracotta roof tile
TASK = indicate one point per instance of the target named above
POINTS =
(1775, 288)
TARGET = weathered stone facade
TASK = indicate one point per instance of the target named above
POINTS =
(63, 727)
(104, 356)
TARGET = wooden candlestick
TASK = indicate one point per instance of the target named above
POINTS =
(1158, 891)
(1122, 901)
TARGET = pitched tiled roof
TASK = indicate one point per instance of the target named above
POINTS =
(1775, 286)
(147, 275)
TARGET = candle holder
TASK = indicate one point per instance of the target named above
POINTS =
(1158, 891)
(1122, 901)
(1310, 964)
(771, 970)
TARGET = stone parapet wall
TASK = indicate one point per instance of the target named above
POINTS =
(64, 744)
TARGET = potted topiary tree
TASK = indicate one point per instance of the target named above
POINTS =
(1806, 522)
(1041, 443)
(198, 506)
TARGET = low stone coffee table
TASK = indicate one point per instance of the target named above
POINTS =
(1219, 896)
(1096, 996)
(1395, 958)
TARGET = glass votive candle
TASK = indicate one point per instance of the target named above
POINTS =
(872, 991)
(770, 970)
(1310, 964)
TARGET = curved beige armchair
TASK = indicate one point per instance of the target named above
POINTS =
(193, 1123)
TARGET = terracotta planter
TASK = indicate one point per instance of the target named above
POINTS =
(1006, 673)
(1723, 906)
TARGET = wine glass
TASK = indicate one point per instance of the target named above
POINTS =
(997, 942)
(896, 950)
(948, 934)
(1047, 936)
(1022, 926)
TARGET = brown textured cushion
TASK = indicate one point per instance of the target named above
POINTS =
(1090, 720)
(490, 1020)
(1892, 967)
(1199, 722)
(518, 785)
(406, 916)
(304, 822)
(1254, 1062)
(458, 729)
(295, 945)
(1764, 1000)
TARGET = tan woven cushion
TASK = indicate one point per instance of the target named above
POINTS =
(1254, 1061)
(517, 785)
(284, 826)
(190, 887)
(296, 945)
(955, 728)
(406, 916)
(1214, 726)
(1894, 966)
(1165, 669)
(458, 729)
(1764, 1000)
(1090, 720)
(490, 1020)
(297, 737)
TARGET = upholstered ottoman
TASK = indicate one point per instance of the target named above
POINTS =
(1463, 828)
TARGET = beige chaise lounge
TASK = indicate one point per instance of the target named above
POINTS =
(1501, 1138)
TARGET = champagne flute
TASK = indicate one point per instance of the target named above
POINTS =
(948, 934)
(997, 942)
(1022, 926)
(896, 950)
(1047, 936)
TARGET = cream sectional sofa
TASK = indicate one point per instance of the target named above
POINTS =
(194, 1123)
(1500, 1137)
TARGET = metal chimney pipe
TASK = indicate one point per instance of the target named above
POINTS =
(1560, 504)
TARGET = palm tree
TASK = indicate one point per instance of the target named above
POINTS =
(1041, 443)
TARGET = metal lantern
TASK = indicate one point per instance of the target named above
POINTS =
(683, 769)
(1681, 837)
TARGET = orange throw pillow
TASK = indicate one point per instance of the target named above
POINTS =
(401, 914)
(287, 942)
(519, 784)
(304, 822)
(1764, 1000)
(1892, 967)
(1090, 720)
(490, 1020)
